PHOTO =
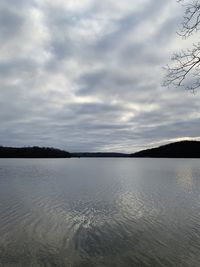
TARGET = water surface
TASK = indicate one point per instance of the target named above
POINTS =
(99, 212)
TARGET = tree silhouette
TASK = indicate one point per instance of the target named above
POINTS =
(184, 69)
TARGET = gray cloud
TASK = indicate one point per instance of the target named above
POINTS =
(86, 75)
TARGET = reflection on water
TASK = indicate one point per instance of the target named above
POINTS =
(99, 212)
(185, 176)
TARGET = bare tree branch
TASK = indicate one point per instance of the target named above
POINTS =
(185, 67)
(191, 19)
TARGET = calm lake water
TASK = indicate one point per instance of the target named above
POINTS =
(99, 212)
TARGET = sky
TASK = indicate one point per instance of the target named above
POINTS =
(86, 75)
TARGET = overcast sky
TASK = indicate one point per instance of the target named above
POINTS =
(86, 75)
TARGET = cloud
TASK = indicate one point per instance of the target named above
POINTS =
(86, 75)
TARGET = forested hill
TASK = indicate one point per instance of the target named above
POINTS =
(183, 149)
(32, 152)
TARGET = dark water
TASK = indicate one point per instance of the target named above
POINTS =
(99, 212)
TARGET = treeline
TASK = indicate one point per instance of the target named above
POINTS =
(182, 149)
(99, 155)
(32, 152)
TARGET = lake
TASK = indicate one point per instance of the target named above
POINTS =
(113, 212)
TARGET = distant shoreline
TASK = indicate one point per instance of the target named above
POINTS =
(183, 149)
